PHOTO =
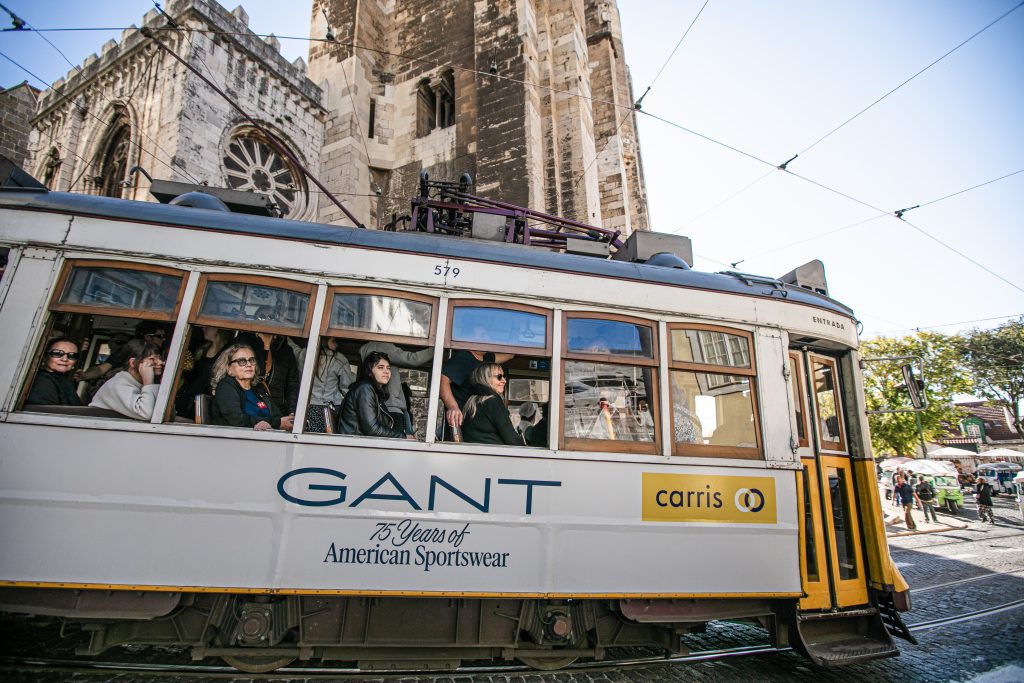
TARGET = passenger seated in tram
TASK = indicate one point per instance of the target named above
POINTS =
(147, 331)
(363, 412)
(53, 385)
(332, 378)
(456, 377)
(205, 346)
(486, 419)
(132, 391)
(396, 402)
(276, 362)
(533, 425)
(239, 400)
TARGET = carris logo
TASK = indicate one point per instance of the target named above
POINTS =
(749, 500)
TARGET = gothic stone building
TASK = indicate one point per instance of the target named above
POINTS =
(532, 98)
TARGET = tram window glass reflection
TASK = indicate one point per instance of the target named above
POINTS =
(713, 392)
(499, 326)
(839, 498)
(361, 321)
(258, 303)
(609, 384)
(516, 337)
(101, 306)
(826, 399)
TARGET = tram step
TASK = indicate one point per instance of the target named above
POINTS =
(844, 638)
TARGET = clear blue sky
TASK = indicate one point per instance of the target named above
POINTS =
(770, 78)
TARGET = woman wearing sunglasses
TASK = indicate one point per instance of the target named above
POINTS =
(485, 417)
(53, 385)
(238, 400)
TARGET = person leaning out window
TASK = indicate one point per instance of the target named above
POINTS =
(485, 418)
(53, 385)
(364, 411)
(132, 391)
(238, 400)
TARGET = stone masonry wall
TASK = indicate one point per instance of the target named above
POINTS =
(17, 105)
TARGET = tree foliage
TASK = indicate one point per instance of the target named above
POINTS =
(996, 360)
(945, 377)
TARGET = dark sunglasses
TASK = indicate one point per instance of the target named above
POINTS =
(244, 361)
(500, 377)
(266, 316)
(58, 353)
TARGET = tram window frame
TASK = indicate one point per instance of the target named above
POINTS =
(196, 319)
(327, 330)
(799, 388)
(451, 346)
(710, 450)
(654, 391)
(141, 314)
(55, 306)
(348, 333)
(540, 352)
(243, 325)
(829, 445)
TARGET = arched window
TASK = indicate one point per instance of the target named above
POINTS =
(446, 100)
(252, 164)
(426, 109)
(113, 156)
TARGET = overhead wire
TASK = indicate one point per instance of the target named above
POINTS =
(961, 322)
(107, 100)
(631, 108)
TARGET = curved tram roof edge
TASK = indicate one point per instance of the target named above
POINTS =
(409, 242)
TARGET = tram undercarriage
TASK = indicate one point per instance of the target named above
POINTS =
(261, 633)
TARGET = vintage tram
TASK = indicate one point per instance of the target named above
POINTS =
(706, 454)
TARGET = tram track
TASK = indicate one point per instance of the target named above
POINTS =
(894, 551)
(40, 664)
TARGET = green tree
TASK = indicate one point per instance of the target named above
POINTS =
(996, 360)
(945, 377)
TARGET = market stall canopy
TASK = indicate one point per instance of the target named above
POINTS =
(1001, 466)
(944, 469)
(998, 453)
(893, 463)
(950, 453)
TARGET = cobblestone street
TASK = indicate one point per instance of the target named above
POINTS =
(957, 571)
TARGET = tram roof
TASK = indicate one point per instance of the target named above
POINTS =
(409, 242)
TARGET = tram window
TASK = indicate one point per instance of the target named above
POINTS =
(609, 384)
(799, 403)
(713, 392)
(361, 321)
(100, 306)
(271, 316)
(810, 546)
(846, 552)
(826, 399)
(515, 336)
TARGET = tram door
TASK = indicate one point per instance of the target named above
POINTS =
(832, 558)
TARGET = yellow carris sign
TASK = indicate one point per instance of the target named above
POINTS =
(708, 498)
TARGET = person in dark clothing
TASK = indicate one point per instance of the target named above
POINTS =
(238, 399)
(53, 385)
(456, 374)
(907, 496)
(207, 349)
(983, 494)
(926, 494)
(486, 419)
(277, 367)
(364, 412)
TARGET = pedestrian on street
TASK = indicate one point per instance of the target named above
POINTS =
(926, 494)
(983, 494)
(896, 476)
(907, 496)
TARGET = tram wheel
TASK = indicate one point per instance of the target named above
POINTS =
(255, 664)
(546, 663)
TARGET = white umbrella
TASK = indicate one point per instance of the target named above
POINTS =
(950, 453)
(998, 453)
(943, 469)
(1002, 466)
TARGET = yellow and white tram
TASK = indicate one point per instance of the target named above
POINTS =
(709, 456)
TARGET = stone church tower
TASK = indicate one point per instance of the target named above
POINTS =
(531, 97)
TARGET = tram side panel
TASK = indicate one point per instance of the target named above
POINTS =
(128, 509)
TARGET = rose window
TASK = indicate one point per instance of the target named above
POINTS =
(251, 164)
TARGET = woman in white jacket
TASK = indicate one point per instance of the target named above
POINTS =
(331, 379)
(132, 392)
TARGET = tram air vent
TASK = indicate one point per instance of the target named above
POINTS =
(235, 201)
(643, 246)
(810, 275)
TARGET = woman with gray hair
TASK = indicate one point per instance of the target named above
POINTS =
(238, 400)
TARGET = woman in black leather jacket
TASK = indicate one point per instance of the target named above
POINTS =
(363, 411)
(485, 417)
